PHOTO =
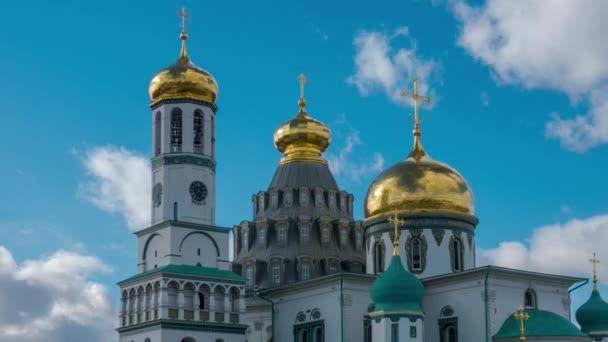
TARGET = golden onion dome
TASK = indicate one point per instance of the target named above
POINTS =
(183, 80)
(418, 183)
(302, 138)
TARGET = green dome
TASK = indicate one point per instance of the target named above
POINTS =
(397, 290)
(540, 324)
(593, 315)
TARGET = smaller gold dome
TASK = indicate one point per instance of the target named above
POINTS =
(302, 138)
(418, 183)
(183, 80)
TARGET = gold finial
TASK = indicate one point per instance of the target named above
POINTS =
(184, 34)
(302, 102)
(521, 315)
(396, 223)
(595, 261)
(417, 151)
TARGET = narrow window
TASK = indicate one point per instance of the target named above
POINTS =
(343, 236)
(305, 234)
(174, 211)
(325, 235)
(305, 271)
(156, 253)
(378, 258)
(261, 236)
(395, 332)
(282, 234)
(276, 274)
(201, 301)
(416, 255)
(157, 134)
(234, 300)
(413, 332)
(198, 251)
(249, 276)
(530, 299)
(318, 334)
(246, 238)
(450, 334)
(457, 255)
(176, 130)
(198, 132)
(212, 136)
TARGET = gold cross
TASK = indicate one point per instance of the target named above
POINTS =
(396, 224)
(184, 16)
(521, 315)
(595, 261)
(302, 80)
(417, 98)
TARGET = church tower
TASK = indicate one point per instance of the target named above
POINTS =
(184, 290)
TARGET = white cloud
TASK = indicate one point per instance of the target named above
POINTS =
(560, 248)
(345, 164)
(53, 299)
(544, 44)
(381, 66)
(120, 183)
(485, 98)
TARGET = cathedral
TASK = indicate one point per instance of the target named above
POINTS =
(302, 268)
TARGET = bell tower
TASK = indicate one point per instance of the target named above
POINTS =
(183, 141)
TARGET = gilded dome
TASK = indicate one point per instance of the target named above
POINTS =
(302, 138)
(418, 183)
(183, 80)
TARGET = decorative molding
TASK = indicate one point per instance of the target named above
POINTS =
(189, 159)
(438, 235)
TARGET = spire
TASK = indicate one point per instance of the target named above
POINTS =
(396, 223)
(302, 102)
(183, 55)
(595, 261)
(417, 150)
(521, 315)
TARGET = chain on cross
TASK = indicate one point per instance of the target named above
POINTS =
(521, 315)
(396, 224)
(417, 98)
(184, 17)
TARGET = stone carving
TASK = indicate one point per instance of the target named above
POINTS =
(438, 235)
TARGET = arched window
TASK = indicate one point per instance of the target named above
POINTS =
(212, 136)
(249, 275)
(530, 299)
(318, 335)
(203, 297)
(305, 271)
(378, 257)
(157, 131)
(457, 255)
(416, 254)
(276, 274)
(450, 334)
(234, 300)
(176, 130)
(198, 131)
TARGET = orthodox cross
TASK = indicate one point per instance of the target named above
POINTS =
(595, 261)
(396, 224)
(302, 80)
(521, 315)
(417, 98)
(184, 16)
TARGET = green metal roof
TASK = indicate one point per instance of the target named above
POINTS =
(540, 324)
(593, 315)
(396, 289)
(201, 271)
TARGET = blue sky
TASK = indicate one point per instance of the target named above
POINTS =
(75, 83)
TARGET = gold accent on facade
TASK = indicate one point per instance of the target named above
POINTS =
(183, 80)
(521, 315)
(595, 261)
(396, 224)
(302, 138)
(418, 183)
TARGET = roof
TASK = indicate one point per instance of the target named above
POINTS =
(593, 315)
(396, 289)
(201, 271)
(310, 174)
(540, 324)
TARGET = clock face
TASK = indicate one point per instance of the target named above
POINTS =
(198, 191)
(157, 194)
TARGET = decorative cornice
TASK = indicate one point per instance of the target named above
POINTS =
(183, 158)
(182, 224)
(156, 104)
(229, 328)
